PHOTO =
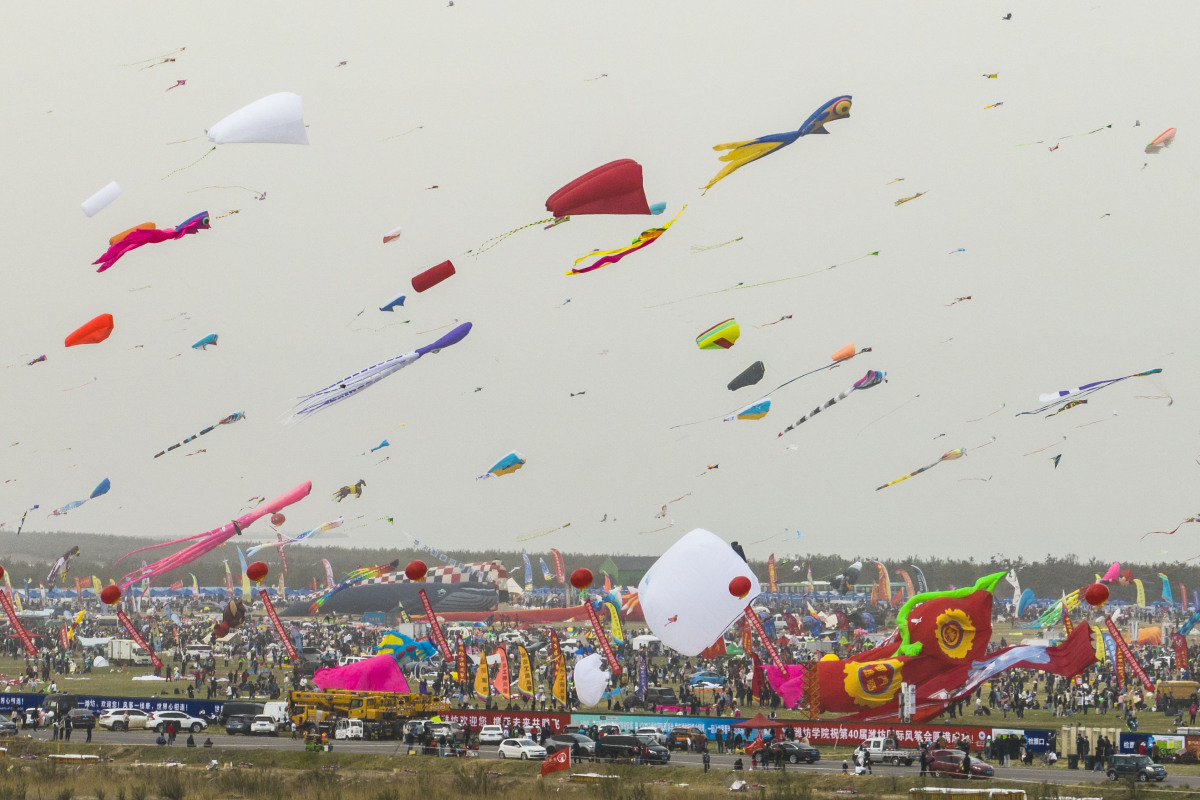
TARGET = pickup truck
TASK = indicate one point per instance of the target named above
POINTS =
(888, 751)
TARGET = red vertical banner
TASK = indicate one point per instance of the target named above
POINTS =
(461, 665)
(62, 638)
(1179, 642)
(284, 639)
(137, 637)
(1183, 596)
(756, 679)
(603, 639)
(6, 601)
(1131, 661)
(79, 584)
(435, 630)
(560, 570)
(1119, 668)
(758, 628)
(772, 575)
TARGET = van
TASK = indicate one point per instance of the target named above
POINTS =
(198, 652)
(278, 711)
(239, 708)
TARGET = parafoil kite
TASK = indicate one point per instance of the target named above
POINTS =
(275, 119)
(677, 593)
(60, 566)
(590, 679)
(353, 384)
(747, 377)
(101, 489)
(844, 583)
(756, 410)
(146, 233)
(1052, 399)
(209, 541)
(393, 304)
(229, 420)
(93, 331)
(721, 336)
(1164, 139)
(950, 456)
(308, 534)
(643, 239)
(405, 649)
(202, 344)
(1026, 600)
(100, 200)
(505, 466)
(872, 378)
(742, 153)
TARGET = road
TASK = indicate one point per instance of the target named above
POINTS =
(1058, 775)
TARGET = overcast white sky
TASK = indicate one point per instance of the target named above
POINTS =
(1079, 264)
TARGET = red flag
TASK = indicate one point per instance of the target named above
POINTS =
(62, 638)
(1131, 661)
(176, 586)
(137, 637)
(756, 680)
(283, 637)
(560, 570)
(1181, 653)
(715, 649)
(6, 602)
(557, 762)
(756, 745)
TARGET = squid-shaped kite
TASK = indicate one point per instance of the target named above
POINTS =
(101, 489)
(146, 233)
(742, 153)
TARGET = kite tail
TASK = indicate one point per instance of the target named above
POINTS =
(194, 163)
(349, 386)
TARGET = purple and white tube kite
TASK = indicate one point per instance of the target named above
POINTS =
(207, 542)
(360, 380)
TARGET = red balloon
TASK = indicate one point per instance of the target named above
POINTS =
(1096, 594)
(110, 595)
(257, 571)
(278, 519)
(1, 572)
(739, 587)
(581, 578)
(415, 571)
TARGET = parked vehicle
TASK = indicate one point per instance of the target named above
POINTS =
(7, 727)
(523, 749)
(239, 723)
(1135, 766)
(278, 711)
(656, 696)
(795, 752)
(81, 718)
(627, 747)
(264, 724)
(581, 746)
(240, 708)
(158, 720)
(948, 763)
(888, 751)
(706, 677)
(607, 730)
(451, 729)
(491, 734)
(123, 719)
(127, 651)
(686, 737)
(654, 733)
(349, 729)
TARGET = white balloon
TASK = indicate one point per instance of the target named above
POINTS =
(590, 680)
(275, 119)
(685, 594)
(97, 202)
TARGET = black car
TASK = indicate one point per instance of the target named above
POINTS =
(626, 747)
(655, 696)
(239, 723)
(581, 746)
(7, 727)
(1135, 766)
(240, 708)
(81, 718)
(795, 752)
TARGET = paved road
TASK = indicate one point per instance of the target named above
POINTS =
(284, 741)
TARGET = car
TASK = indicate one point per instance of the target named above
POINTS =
(491, 734)
(417, 727)
(264, 724)
(524, 749)
(7, 727)
(607, 730)
(686, 737)
(660, 696)
(123, 719)
(35, 717)
(949, 763)
(451, 729)
(81, 718)
(238, 708)
(654, 733)
(581, 747)
(239, 723)
(627, 747)
(159, 720)
(1135, 766)
(795, 752)
(706, 677)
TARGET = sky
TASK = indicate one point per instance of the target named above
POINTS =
(457, 123)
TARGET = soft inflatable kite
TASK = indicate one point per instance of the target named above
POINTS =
(353, 384)
(643, 239)
(275, 119)
(93, 331)
(591, 679)
(505, 466)
(229, 420)
(748, 377)
(756, 410)
(202, 344)
(379, 673)
(146, 233)
(405, 649)
(1164, 139)
(721, 336)
(432, 276)
(60, 566)
(872, 378)
(100, 200)
(742, 153)
(308, 534)
(101, 489)
(940, 647)
(678, 595)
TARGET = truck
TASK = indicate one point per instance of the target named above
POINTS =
(382, 714)
(127, 651)
(888, 751)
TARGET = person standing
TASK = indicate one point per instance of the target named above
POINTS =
(924, 762)
(704, 758)
(866, 757)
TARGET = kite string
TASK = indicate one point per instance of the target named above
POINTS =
(194, 163)
(488, 244)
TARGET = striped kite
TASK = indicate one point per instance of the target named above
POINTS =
(873, 377)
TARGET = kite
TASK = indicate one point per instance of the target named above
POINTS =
(381, 445)
(275, 119)
(404, 648)
(234, 417)
(146, 233)
(205, 342)
(682, 596)
(393, 304)
(644, 239)
(756, 410)
(353, 579)
(100, 200)
(60, 566)
(590, 679)
(950, 456)
(346, 491)
(308, 534)
(37, 360)
(393, 234)
(349, 386)
(1056, 459)
(1164, 139)
(204, 543)
(99, 490)
(742, 153)
(721, 336)
(1069, 405)
(872, 378)
(1052, 399)
(904, 200)
(748, 377)
(505, 466)
(1172, 531)
(432, 277)
(93, 331)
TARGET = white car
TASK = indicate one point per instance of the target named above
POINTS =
(264, 724)
(523, 749)
(655, 733)
(491, 734)
(120, 719)
(158, 720)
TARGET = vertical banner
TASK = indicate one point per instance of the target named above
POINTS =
(228, 580)
(528, 573)
(500, 682)
(283, 637)
(524, 673)
(762, 634)
(1141, 592)
(245, 577)
(63, 641)
(1181, 653)
(603, 639)
(643, 678)
(329, 581)
(461, 666)
(1120, 669)
(80, 583)
(16, 624)
(96, 586)
(545, 570)
(1131, 661)
(195, 588)
(435, 629)
(756, 678)
(560, 571)
(483, 689)
(282, 554)
(404, 617)
(558, 689)
(137, 637)
(614, 624)
(1183, 597)
(1068, 626)
(772, 575)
